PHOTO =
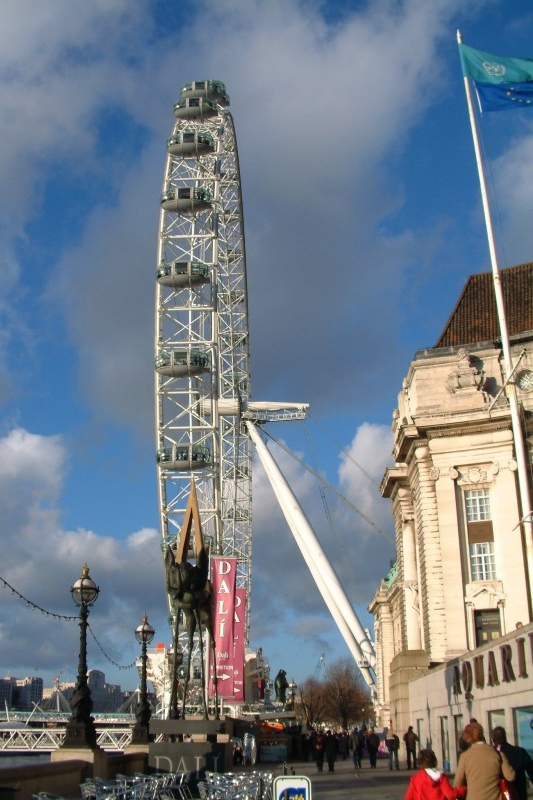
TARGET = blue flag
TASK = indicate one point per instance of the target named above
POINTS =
(501, 82)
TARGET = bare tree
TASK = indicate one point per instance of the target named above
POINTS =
(312, 701)
(346, 697)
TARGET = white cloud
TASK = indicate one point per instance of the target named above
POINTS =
(361, 470)
(41, 560)
(513, 174)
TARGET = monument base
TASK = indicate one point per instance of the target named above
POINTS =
(210, 750)
(95, 756)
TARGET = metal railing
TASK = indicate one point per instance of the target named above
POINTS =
(24, 740)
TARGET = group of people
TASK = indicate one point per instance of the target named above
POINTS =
(327, 746)
(324, 746)
(369, 740)
(480, 770)
(392, 743)
(361, 740)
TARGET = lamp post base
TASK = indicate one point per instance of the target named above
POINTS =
(140, 734)
(80, 735)
(96, 756)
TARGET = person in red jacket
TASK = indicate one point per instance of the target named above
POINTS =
(429, 783)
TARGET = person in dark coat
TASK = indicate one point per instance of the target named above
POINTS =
(357, 744)
(518, 758)
(410, 738)
(343, 743)
(331, 750)
(392, 743)
(317, 742)
(372, 744)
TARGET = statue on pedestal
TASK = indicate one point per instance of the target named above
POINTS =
(281, 684)
(190, 593)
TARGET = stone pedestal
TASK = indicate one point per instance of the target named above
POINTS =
(95, 756)
(210, 750)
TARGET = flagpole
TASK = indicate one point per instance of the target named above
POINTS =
(520, 453)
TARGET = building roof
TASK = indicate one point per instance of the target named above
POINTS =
(475, 317)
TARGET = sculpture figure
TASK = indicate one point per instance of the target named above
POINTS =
(190, 594)
(189, 590)
(281, 684)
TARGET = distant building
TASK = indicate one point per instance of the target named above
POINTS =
(21, 694)
(106, 696)
(24, 692)
(6, 693)
(453, 619)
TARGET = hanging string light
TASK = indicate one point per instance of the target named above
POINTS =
(69, 618)
(20, 596)
(120, 666)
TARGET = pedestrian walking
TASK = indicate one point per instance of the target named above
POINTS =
(343, 741)
(372, 744)
(410, 738)
(392, 743)
(357, 744)
(518, 758)
(429, 783)
(330, 750)
(317, 740)
(481, 766)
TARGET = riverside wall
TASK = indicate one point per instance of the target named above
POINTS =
(64, 777)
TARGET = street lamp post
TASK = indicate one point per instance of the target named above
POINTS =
(144, 634)
(80, 731)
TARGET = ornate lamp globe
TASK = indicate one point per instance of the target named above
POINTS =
(144, 633)
(84, 591)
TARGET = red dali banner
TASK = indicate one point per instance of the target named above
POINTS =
(223, 578)
(239, 634)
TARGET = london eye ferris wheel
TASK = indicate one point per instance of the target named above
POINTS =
(205, 419)
(201, 337)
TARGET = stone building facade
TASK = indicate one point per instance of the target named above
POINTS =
(25, 692)
(464, 570)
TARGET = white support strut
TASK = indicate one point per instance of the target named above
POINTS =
(321, 570)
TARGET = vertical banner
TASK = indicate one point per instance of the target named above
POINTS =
(223, 578)
(239, 635)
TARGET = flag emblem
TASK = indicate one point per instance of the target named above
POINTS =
(494, 69)
(501, 81)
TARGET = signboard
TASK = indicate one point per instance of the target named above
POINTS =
(292, 787)
(239, 635)
(229, 628)
(224, 574)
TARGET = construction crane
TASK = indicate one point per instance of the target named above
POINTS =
(321, 665)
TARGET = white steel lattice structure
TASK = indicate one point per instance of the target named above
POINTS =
(201, 345)
(205, 419)
(201, 338)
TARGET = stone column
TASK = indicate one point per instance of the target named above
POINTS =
(411, 592)
(430, 559)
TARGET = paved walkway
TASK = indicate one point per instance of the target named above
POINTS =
(346, 782)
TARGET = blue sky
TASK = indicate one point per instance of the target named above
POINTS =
(363, 221)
